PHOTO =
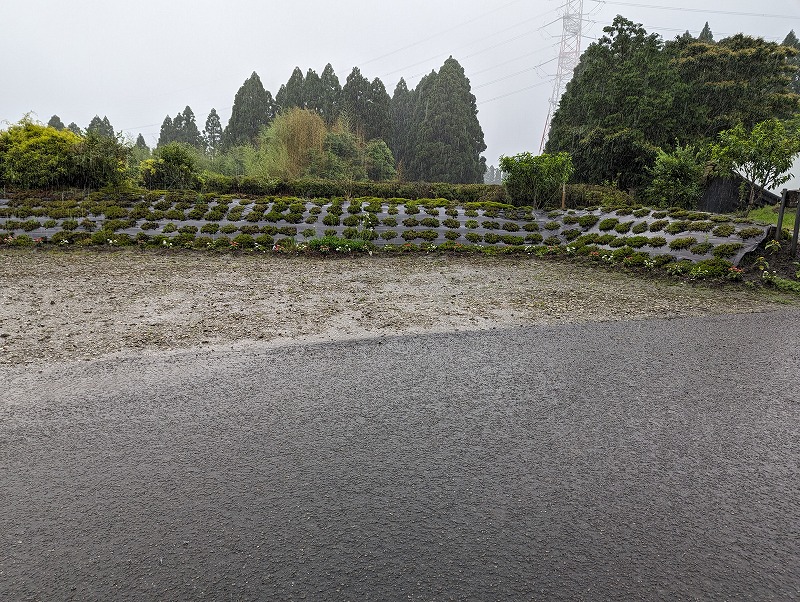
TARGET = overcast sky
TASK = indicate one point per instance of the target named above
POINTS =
(136, 62)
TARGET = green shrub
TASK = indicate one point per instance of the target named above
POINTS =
(531, 227)
(677, 227)
(702, 248)
(533, 238)
(331, 220)
(608, 224)
(640, 228)
(682, 243)
(623, 227)
(228, 229)
(473, 237)
(210, 228)
(727, 249)
(389, 235)
(390, 221)
(410, 222)
(452, 234)
(657, 242)
(637, 242)
(552, 226)
(724, 230)
(490, 225)
(658, 225)
(429, 222)
(510, 227)
(750, 232)
(510, 239)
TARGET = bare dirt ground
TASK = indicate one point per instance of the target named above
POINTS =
(59, 306)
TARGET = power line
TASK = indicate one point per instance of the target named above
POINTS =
(496, 33)
(542, 83)
(510, 75)
(436, 35)
(698, 10)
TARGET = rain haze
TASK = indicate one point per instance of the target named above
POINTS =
(138, 62)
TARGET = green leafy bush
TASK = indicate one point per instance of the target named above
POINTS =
(682, 243)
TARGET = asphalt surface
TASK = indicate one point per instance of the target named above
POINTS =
(641, 460)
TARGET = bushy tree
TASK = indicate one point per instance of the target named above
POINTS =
(379, 161)
(631, 95)
(676, 178)
(36, 156)
(287, 147)
(172, 166)
(99, 161)
(536, 180)
(763, 155)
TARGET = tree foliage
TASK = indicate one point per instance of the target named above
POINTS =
(536, 180)
(447, 137)
(632, 95)
(101, 127)
(37, 156)
(676, 178)
(253, 109)
(763, 155)
(172, 166)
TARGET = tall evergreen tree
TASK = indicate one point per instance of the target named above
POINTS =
(313, 92)
(791, 41)
(378, 122)
(253, 109)
(73, 127)
(141, 144)
(290, 95)
(212, 133)
(178, 131)
(449, 139)
(355, 101)
(190, 134)
(167, 133)
(401, 140)
(706, 35)
(101, 127)
(55, 122)
(331, 95)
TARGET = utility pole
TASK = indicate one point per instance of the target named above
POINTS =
(568, 57)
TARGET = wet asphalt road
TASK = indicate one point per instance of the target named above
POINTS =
(643, 460)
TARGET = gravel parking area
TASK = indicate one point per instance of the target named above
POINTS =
(65, 305)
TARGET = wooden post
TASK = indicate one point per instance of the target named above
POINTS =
(784, 193)
(564, 195)
(793, 250)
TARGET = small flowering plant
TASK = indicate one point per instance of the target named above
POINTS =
(734, 273)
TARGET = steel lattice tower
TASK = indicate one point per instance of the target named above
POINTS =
(568, 57)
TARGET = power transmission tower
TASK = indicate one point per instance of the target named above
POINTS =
(568, 57)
